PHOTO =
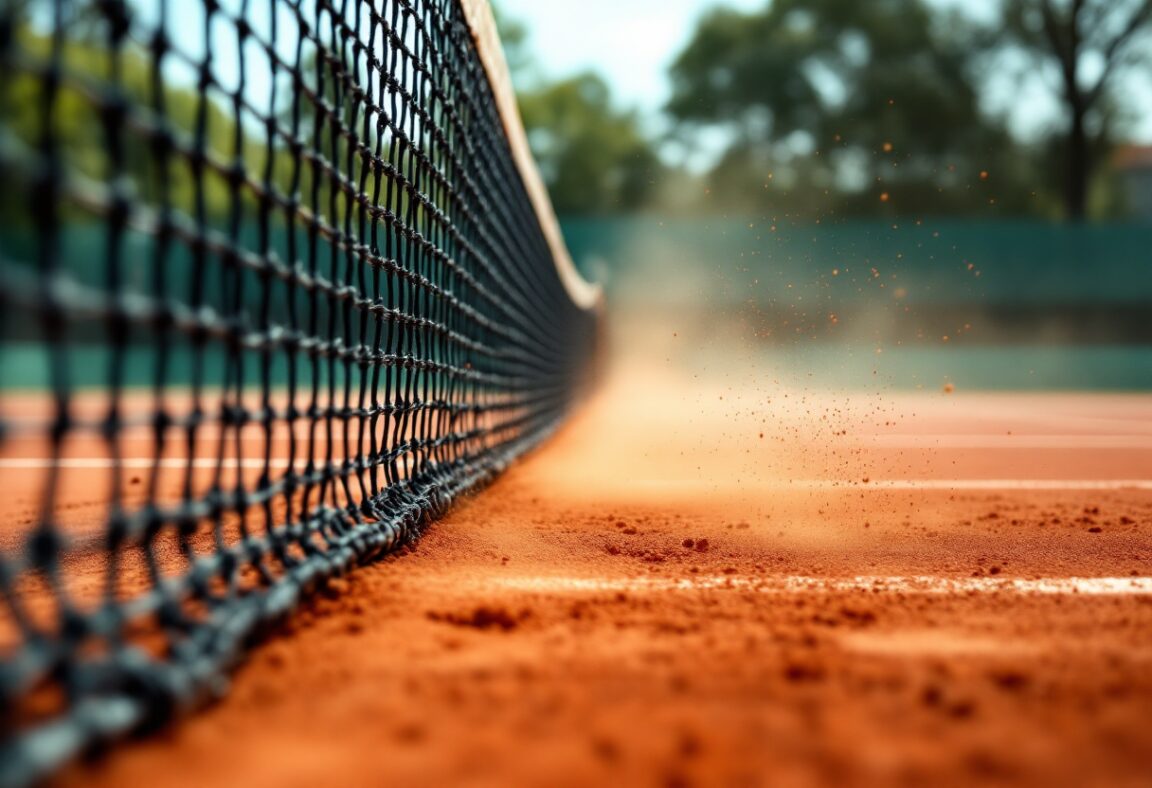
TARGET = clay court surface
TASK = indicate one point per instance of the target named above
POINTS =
(728, 584)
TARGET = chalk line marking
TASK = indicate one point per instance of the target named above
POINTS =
(908, 484)
(979, 484)
(277, 463)
(138, 463)
(1002, 441)
(792, 584)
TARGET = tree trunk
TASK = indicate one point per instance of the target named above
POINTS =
(1079, 168)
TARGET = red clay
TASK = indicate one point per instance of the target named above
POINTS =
(722, 587)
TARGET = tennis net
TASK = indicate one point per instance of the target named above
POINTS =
(278, 284)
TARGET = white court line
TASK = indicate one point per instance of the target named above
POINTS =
(907, 484)
(145, 463)
(913, 584)
(1128, 440)
(138, 463)
(1001, 441)
(979, 484)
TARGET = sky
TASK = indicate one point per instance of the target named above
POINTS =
(632, 42)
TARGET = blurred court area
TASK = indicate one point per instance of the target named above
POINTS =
(710, 578)
(912, 303)
(854, 553)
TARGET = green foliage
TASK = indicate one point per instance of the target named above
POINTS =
(514, 38)
(1097, 48)
(858, 106)
(594, 158)
(94, 154)
(96, 75)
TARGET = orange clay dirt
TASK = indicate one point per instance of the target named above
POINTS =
(732, 586)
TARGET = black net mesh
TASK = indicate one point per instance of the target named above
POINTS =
(272, 295)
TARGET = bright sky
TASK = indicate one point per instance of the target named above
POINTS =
(631, 42)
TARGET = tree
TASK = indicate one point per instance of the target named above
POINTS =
(593, 157)
(514, 40)
(78, 126)
(869, 99)
(1093, 44)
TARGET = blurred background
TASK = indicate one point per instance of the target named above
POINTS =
(896, 194)
(893, 194)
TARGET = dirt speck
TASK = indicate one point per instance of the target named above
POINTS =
(483, 618)
(1010, 680)
(804, 672)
